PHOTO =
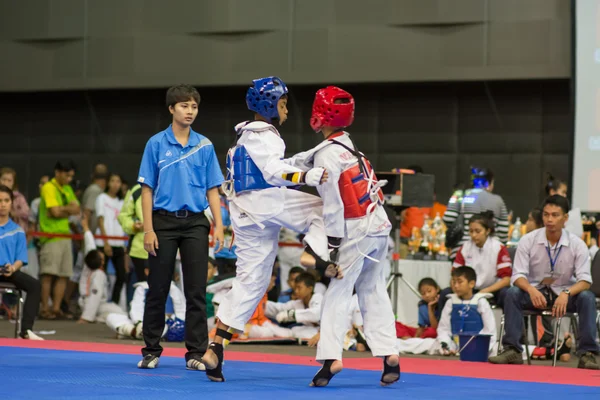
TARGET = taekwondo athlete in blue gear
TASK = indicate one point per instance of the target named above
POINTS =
(261, 203)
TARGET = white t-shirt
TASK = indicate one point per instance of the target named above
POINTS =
(109, 208)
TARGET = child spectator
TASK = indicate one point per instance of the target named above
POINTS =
(305, 310)
(487, 256)
(288, 295)
(259, 326)
(466, 312)
(429, 313)
(93, 284)
(130, 327)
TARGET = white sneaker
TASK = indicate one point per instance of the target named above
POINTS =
(195, 365)
(29, 335)
(148, 362)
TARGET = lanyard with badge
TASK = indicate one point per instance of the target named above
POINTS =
(553, 275)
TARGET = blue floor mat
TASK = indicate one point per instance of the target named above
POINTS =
(54, 374)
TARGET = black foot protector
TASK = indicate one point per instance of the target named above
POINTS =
(324, 375)
(326, 268)
(216, 374)
(390, 374)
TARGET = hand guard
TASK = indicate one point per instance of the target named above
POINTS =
(286, 316)
(313, 176)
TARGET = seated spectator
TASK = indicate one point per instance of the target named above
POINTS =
(259, 326)
(320, 286)
(288, 295)
(306, 310)
(484, 253)
(551, 271)
(534, 220)
(429, 313)
(545, 348)
(130, 327)
(466, 312)
(13, 256)
(93, 284)
(20, 208)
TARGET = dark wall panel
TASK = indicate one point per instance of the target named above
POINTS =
(105, 44)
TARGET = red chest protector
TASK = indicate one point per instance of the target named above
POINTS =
(358, 186)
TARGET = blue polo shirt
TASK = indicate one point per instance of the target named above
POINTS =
(180, 176)
(13, 244)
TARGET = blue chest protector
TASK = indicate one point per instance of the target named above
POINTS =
(246, 175)
(465, 317)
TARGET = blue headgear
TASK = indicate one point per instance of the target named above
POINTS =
(176, 331)
(263, 95)
(479, 178)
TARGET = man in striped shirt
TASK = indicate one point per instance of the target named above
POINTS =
(476, 200)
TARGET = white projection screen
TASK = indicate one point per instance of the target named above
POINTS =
(586, 157)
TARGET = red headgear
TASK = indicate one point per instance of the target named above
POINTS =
(326, 113)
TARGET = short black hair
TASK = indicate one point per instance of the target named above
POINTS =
(65, 165)
(466, 272)
(536, 214)
(93, 260)
(181, 93)
(486, 219)
(306, 278)
(295, 270)
(557, 200)
(428, 282)
(6, 190)
(552, 183)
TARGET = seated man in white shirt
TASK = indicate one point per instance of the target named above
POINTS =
(551, 271)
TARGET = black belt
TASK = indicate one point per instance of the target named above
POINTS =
(177, 214)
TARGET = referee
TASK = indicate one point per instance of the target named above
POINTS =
(180, 176)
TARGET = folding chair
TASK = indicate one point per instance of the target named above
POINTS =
(8, 287)
(527, 314)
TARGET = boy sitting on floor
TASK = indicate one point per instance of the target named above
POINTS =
(130, 327)
(465, 312)
(305, 310)
(259, 325)
(93, 283)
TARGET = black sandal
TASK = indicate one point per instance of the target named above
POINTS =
(389, 371)
(322, 378)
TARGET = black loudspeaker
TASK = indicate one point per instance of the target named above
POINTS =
(407, 189)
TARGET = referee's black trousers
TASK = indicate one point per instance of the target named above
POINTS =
(190, 236)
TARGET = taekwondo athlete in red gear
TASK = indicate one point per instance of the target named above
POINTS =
(260, 204)
(357, 228)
